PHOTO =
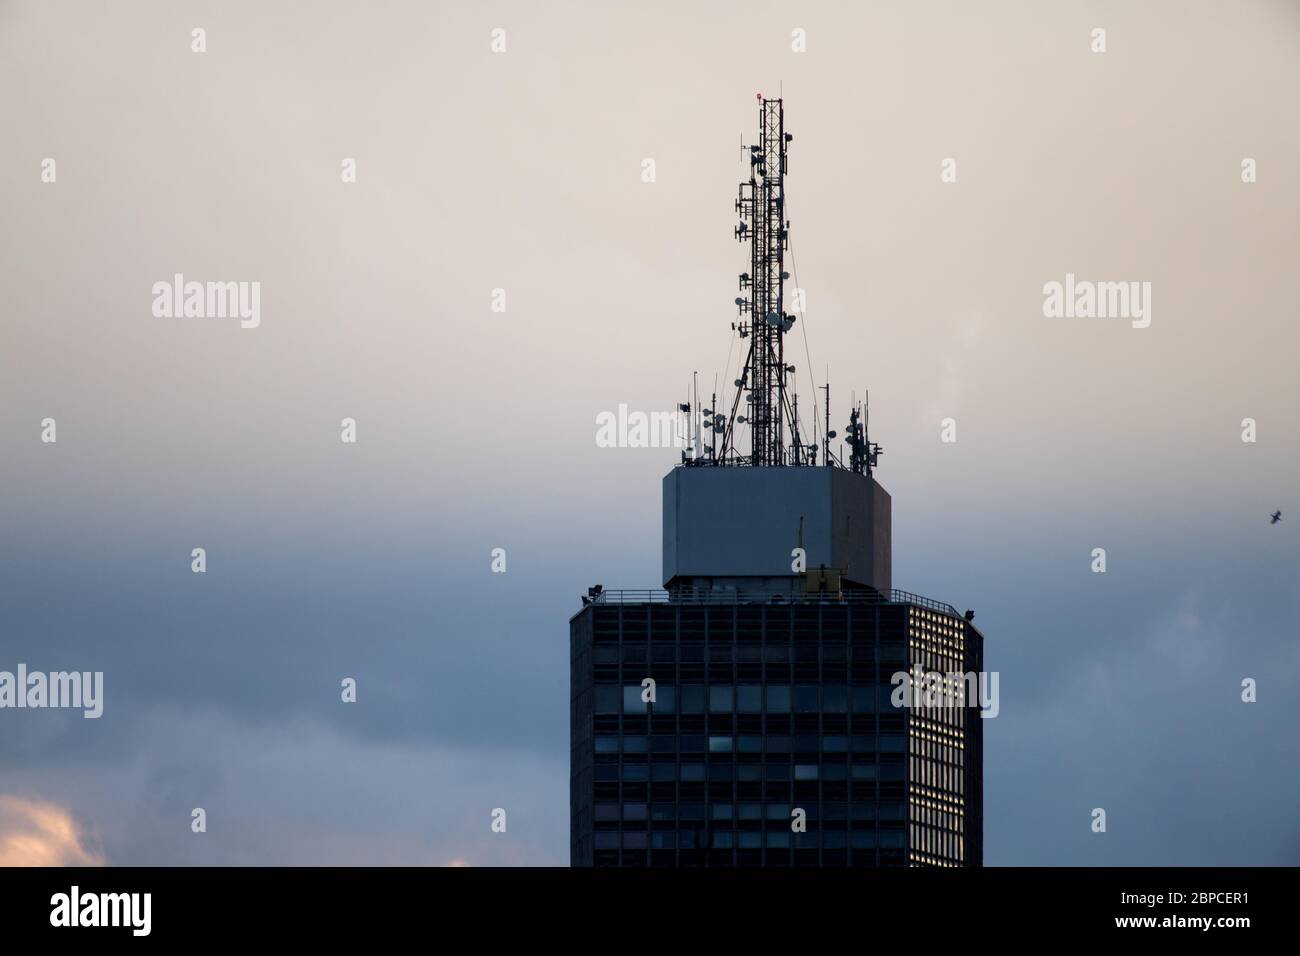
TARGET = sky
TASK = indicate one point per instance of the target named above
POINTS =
(523, 171)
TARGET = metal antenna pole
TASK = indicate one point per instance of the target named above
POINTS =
(761, 205)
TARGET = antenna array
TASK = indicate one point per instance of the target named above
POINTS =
(771, 407)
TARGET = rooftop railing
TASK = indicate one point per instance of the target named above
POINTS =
(692, 595)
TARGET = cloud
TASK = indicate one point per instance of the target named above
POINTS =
(302, 793)
(34, 833)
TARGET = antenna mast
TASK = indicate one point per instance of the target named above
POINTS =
(761, 206)
(765, 382)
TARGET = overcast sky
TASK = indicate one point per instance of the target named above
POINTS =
(522, 171)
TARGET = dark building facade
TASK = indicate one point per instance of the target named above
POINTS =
(764, 708)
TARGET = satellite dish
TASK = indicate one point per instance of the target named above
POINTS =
(742, 419)
(830, 434)
(739, 301)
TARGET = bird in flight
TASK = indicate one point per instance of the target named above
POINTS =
(1276, 517)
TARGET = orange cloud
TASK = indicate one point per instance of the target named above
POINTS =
(35, 833)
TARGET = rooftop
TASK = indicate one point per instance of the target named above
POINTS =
(687, 595)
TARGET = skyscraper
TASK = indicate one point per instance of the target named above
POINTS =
(777, 702)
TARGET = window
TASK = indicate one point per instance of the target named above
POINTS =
(635, 773)
(778, 744)
(749, 772)
(663, 812)
(749, 699)
(692, 811)
(720, 696)
(665, 700)
(776, 841)
(835, 745)
(721, 811)
(634, 840)
(607, 840)
(634, 745)
(663, 772)
(722, 840)
(805, 699)
(749, 811)
(632, 702)
(634, 811)
(692, 743)
(719, 745)
(778, 698)
(805, 771)
(607, 698)
(749, 840)
(748, 745)
(864, 700)
(606, 745)
(692, 773)
(663, 841)
(606, 811)
(692, 701)
(778, 811)
(835, 699)
(863, 811)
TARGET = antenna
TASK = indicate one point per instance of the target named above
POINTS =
(766, 382)
(761, 206)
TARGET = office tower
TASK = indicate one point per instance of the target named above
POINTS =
(777, 703)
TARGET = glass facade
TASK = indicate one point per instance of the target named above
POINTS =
(764, 735)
